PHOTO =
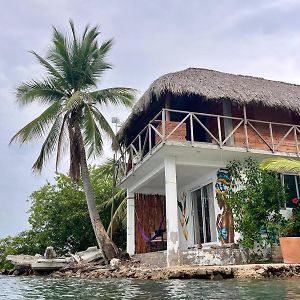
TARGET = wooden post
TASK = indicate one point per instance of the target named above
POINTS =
(163, 124)
(272, 138)
(228, 128)
(132, 160)
(192, 127)
(168, 106)
(245, 127)
(150, 139)
(140, 146)
(296, 140)
(219, 132)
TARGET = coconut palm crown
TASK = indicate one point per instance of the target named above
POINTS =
(73, 116)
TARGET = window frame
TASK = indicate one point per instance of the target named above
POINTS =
(297, 181)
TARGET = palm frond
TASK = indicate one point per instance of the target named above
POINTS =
(102, 122)
(91, 133)
(73, 31)
(90, 59)
(52, 71)
(115, 96)
(49, 144)
(106, 169)
(61, 141)
(119, 216)
(36, 129)
(120, 195)
(97, 62)
(59, 56)
(281, 165)
(44, 92)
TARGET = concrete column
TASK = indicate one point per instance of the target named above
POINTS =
(173, 258)
(130, 223)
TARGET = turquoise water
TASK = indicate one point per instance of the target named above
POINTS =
(74, 288)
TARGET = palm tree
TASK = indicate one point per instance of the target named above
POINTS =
(73, 116)
(281, 165)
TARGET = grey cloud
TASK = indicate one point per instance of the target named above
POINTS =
(151, 38)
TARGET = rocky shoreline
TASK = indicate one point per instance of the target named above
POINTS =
(137, 271)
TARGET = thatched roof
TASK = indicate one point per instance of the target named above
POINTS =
(214, 85)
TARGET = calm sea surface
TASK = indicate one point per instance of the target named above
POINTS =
(73, 288)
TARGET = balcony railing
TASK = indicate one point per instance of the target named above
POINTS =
(219, 131)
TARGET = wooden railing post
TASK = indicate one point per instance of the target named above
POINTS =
(271, 135)
(132, 158)
(220, 132)
(125, 161)
(150, 139)
(140, 147)
(296, 140)
(163, 119)
(192, 127)
(245, 127)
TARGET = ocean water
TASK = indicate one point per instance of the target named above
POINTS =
(76, 288)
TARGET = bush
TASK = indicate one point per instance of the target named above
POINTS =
(255, 197)
(59, 217)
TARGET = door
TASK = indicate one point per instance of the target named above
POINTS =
(204, 215)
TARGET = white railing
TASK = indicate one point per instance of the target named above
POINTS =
(255, 134)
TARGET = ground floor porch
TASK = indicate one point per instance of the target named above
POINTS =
(173, 206)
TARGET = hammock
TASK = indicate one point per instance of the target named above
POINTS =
(147, 237)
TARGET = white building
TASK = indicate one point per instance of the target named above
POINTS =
(185, 128)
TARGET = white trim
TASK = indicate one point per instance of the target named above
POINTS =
(130, 223)
(139, 183)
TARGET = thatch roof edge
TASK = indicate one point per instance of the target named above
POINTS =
(215, 85)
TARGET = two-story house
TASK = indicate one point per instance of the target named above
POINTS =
(180, 135)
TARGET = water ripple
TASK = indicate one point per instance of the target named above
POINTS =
(40, 288)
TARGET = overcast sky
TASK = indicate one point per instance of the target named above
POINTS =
(260, 38)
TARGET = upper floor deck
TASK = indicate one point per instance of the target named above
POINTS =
(271, 132)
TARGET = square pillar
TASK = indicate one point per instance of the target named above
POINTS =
(130, 223)
(173, 257)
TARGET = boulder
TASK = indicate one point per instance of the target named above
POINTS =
(115, 262)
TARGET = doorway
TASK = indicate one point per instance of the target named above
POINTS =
(204, 215)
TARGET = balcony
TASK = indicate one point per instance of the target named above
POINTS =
(212, 131)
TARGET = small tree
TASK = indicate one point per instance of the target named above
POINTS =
(255, 197)
(58, 217)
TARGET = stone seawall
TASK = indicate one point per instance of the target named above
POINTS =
(184, 272)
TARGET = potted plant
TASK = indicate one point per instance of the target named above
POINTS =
(290, 236)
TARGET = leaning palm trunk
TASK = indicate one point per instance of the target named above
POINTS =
(109, 249)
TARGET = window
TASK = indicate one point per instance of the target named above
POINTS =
(204, 218)
(292, 184)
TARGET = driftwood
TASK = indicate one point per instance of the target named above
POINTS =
(92, 258)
